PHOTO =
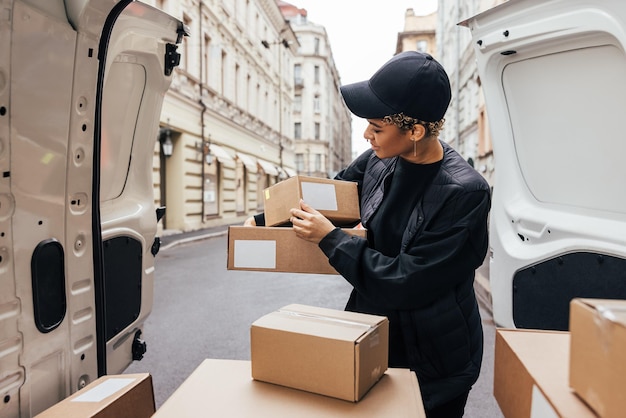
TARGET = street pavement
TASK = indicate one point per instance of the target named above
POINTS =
(201, 310)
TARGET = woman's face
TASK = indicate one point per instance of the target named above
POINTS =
(388, 140)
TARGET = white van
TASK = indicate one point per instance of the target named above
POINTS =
(81, 88)
(554, 78)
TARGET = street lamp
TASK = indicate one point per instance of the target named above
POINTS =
(165, 138)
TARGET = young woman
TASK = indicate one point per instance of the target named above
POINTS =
(425, 210)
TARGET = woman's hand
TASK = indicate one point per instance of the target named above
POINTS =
(250, 221)
(309, 224)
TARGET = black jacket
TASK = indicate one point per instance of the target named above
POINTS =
(428, 288)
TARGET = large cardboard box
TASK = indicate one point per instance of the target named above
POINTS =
(325, 351)
(223, 388)
(335, 199)
(277, 249)
(598, 354)
(531, 375)
(112, 396)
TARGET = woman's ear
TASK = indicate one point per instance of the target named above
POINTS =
(418, 132)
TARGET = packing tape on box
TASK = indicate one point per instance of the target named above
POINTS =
(608, 315)
(363, 325)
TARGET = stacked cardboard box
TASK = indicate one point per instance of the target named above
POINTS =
(277, 248)
(325, 351)
(335, 199)
(530, 375)
(307, 362)
(598, 354)
(112, 396)
(580, 373)
(223, 388)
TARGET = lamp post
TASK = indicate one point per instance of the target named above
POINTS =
(165, 139)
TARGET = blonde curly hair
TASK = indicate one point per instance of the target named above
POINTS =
(406, 123)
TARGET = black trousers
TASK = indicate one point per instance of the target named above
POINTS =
(453, 409)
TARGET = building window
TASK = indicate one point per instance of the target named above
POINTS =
(297, 130)
(317, 130)
(237, 77)
(317, 74)
(223, 78)
(316, 43)
(248, 94)
(205, 58)
(318, 162)
(297, 74)
(297, 103)
(317, 104)
(422, 45)
(299, 163)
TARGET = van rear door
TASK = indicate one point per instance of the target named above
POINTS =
(81, 89)
(554, 78)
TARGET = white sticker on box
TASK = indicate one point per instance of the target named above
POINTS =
(320, 196)
(104, 390)
(255, 253)
(540, 407)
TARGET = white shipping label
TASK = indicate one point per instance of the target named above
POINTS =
(104, 390)
(320, 196)
(540, 407)
(255, 253)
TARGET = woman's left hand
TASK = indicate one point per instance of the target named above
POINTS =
(309, 224)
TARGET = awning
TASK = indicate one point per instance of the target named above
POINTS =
(291, 172)
(268, 167)
(221, 154)
(248, 161)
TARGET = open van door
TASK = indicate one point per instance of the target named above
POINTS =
(554, 78)
(81, 88)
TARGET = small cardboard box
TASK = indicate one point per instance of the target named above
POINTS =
(277, 249)
(337, 200)
(598, 354)
(530, 375)
(223, 388)
(112, 396)
(324, 351)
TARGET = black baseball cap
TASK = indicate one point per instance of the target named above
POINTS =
(412, 83)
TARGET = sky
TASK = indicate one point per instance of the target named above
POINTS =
(363, 36)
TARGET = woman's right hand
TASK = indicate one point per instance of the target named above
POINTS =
(250, 222)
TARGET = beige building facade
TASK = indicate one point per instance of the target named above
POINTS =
(419, 33)
(227, 124)
(467, 124)
(321, 121)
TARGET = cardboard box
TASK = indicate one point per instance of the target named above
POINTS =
(112, 396)
(598, 354)
(223, 388)
(530, 375)
(325, 351)
(335, 199)
(277, 249)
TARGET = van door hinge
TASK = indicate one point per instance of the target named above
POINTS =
(172, 58)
